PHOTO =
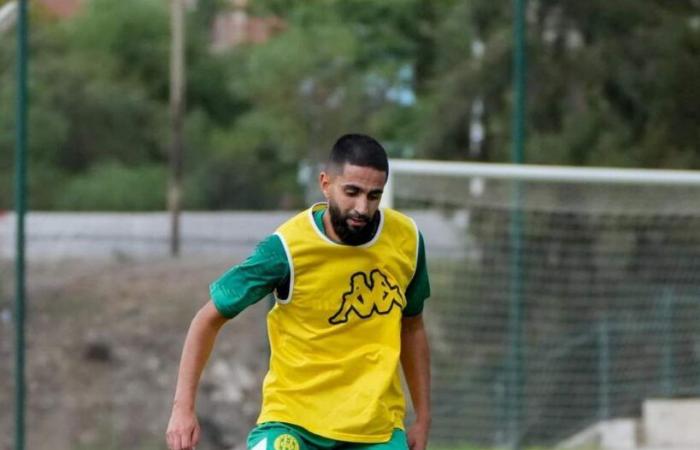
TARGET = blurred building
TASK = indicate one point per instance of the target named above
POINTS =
(62, 8)
(236, 26)
(231, 27)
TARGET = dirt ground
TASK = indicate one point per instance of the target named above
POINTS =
(103, 344)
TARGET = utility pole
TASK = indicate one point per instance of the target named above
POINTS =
(177, 112)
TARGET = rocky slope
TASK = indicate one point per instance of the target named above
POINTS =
(103, 344)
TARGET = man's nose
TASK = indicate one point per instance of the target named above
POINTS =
(362, 206)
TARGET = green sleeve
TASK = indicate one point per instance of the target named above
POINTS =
(245, 284)
(419, 288)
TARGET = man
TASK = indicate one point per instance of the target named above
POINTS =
(350, 281)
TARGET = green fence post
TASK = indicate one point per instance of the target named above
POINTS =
(516, 231)
(20, 209)
(604, 369)
(667, 362)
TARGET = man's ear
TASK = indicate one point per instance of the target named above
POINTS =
(324, 182)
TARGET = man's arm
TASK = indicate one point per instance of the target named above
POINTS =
(241, 286)
(183, 428)
(415, 360)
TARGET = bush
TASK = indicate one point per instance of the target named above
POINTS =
(114, 187)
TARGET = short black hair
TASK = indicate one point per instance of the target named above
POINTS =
(358, 150)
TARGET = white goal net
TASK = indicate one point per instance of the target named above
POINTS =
(562, 297)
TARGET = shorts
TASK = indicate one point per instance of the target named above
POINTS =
(285, 436)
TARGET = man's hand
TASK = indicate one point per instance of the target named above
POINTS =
(183, 430)
(418, 436)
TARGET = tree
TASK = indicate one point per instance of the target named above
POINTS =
(610, 83)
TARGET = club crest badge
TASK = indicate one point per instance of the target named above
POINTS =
(286, 442)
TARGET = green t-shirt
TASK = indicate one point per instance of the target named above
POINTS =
(267, 269)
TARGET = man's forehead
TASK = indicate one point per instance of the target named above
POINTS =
(364, 174)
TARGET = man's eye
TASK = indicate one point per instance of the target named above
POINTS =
(351, 192)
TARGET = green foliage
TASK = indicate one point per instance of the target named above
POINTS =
(133, 34)
(114, 187)
(610, 83)
(99, 98)
(249, 167)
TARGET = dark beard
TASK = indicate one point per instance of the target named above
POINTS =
(347, 234)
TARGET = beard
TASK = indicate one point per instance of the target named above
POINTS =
(348, 234)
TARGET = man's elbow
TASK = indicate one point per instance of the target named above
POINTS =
(412, 323)
(209, 316)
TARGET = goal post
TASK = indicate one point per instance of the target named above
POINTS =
(609, 295)
(539, 173)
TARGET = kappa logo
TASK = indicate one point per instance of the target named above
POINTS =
(368, 295)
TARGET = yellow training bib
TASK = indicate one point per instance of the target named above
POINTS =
(336, 338)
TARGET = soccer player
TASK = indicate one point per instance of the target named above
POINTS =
(350, 280)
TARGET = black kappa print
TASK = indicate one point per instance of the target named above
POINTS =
(368, 295)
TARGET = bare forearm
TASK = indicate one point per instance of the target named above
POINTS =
(415, 360)
(195, 353)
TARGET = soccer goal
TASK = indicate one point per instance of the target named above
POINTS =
(561, 297)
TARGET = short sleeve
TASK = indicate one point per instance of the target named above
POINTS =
(256, 277)
(419, 288)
